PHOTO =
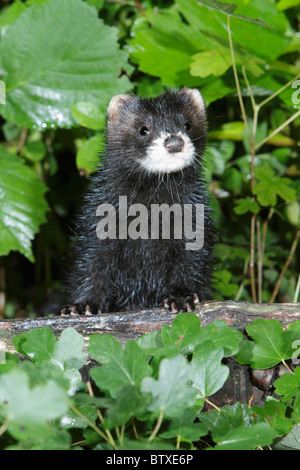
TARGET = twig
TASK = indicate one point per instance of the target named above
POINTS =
(158, 424)
(260, 105)
(251, 264)
(22, 140)
(289, 259)
(236, 78)
(101, 418)
(286, 123)
(297, 290)
(259, 262)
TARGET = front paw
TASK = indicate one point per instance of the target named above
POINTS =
(78, 309)
(180, 304)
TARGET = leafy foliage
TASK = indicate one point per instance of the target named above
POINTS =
(244, 58)
(148, 395)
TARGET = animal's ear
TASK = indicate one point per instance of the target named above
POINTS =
(195, 96)
(115, 104)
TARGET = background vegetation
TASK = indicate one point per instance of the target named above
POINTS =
(62, 60)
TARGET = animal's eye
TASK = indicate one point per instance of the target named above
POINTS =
(187, 126)
(144, 131)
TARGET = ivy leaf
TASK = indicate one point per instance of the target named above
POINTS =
(273, 413)
(129, 402)
(291, 441)
(242, 438)
(206, 371)
(270, 186)
(270, 344)
(67, 352)
(288, 385)
(22, 205)
(185, 428)
(233, 427)
(71, 67)
(184, 333)
(223, 336)
(119, 366)
(171, 392)
(38, 344)
(22, 404)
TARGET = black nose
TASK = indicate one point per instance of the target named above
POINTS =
(174, 143)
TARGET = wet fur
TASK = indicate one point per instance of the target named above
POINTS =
(119, 275)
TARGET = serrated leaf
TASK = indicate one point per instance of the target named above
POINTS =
(207, 373)
(119, 366)
(171, 392)
(288, 385)
(270, 345)
(71, 67)
(22, 205)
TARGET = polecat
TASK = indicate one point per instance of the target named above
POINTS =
(153, 157)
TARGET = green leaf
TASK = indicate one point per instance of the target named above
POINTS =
(222, 336)
(67, 353)
(246, 204)
(229, 9)
(119, 366)
(71, 67)
(271, 185)
(22, 405)
(213, 62)
(71, 420)
(185, 428)
(87, 157)
(89, 115)
(234, 428)
(288, 385)
(38, 344)
(130, 401)
(171, 392)
(184, 333)
(162, 45)
(206, 372)
(266, 43)
(291, 441)
(273, 412)
(22, 205)
(270, 345)
(242, 438)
